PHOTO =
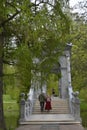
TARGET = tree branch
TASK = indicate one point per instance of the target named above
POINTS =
(9, 19)
(9, 62)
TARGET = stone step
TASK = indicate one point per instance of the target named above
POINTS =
(50, 119)
(73, 126)
(50, 113)
(59, 106)
(59, 102)
(48, 122)
(60, 110)
(56, 101)
(54, 105)
(55, 110)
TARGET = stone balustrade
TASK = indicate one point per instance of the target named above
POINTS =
(74, 103)
(22, 107)
(26, 106)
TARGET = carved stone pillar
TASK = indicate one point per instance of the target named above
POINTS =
(76, 106)
(65, 80)
(22, 107)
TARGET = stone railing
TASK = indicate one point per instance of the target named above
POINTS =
(74, 103)
(70, 91)
(26, 106)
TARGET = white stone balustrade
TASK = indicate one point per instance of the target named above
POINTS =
(26, 107)
(76, 106)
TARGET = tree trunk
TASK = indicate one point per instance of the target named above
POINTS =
(2, 119)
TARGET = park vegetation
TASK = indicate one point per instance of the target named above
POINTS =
(32, 37)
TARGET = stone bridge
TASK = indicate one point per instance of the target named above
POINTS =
(65, 113)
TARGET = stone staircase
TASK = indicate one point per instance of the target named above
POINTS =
(59, 114)
(59, 106)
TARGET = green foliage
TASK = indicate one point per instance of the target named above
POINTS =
(11, 105)
(11, 85)
(52, 82)
(30, 30)
(79, 60)
(44, 30)
(83, 94)
(9, 69)
(83, 106)
(84, 113)
(79, 56)
(6, 97)
(11, 111)
(11, 121)
(24, 64)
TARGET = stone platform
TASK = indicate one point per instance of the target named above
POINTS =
(50, 127)
(51, 122)
(50, 119)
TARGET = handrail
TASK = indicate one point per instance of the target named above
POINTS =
(70, 91)
(30, 102)
(27, 105)
(74, 104)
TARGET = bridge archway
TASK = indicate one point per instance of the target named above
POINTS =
(63, 67)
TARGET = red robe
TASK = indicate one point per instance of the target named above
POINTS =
(48, 104)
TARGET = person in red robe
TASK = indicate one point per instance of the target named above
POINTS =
(48, 103)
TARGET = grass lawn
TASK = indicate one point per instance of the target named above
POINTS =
(83, 108)
(11, 112)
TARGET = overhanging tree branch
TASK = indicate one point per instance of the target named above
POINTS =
(9, 19)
